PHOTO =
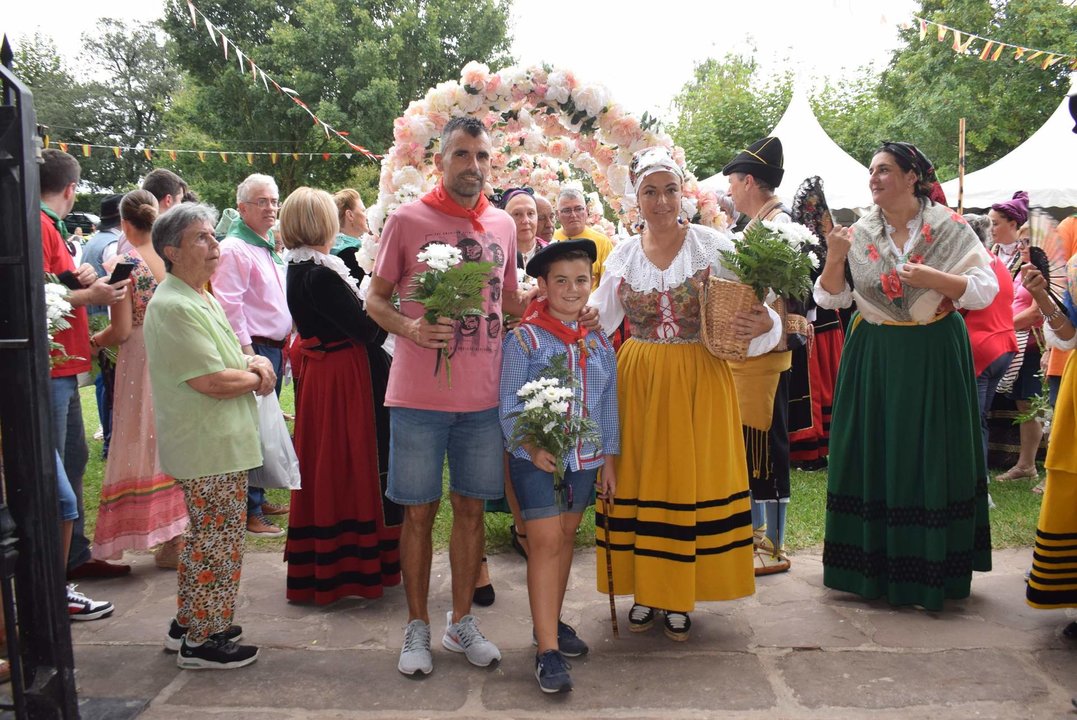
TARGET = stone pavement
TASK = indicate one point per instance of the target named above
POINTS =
(793, 650)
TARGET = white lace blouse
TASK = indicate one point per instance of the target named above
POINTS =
(629, 264)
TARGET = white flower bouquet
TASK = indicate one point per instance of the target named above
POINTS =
(774, 256)
(548, 423)
(57, 310)
(450, 289)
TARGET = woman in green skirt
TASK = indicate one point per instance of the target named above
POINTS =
(907, 492)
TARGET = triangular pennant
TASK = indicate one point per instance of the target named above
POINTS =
(224, 156)
(965, 45)
(147, 153)
(239, 58)
(295, 156)
(172, 155)
(194, 20)
(250, 158)
(116, 152)
(260, 72)
(325, 156)
(85, 151)
(986, 50)
(325, 127)
(923, 29)
(287, 90)
(209, 27)
(273, 158)
(1034, 55)
(998, 53)
(957, 41)
(1018, 52)
(254, 71)
(202, 155)
(942, 32)
(63, 147)
(224, 44)
(1051, 60)
(348, 155)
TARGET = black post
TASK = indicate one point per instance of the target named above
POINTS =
(41, 631)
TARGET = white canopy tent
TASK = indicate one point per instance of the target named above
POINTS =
(810, 151)
(1043, 166)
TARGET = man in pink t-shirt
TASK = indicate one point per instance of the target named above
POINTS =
(428, 419)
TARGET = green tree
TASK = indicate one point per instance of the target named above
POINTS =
(724, 108)
(928, 86)
(356, 64)
(118, 96)
(853, 113)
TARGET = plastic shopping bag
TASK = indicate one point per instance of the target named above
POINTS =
(280, 468)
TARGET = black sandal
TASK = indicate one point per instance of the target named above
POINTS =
(484, 596)
(1070, 630)
(516, 545)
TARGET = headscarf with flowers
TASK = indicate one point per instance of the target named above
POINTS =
(647, 162)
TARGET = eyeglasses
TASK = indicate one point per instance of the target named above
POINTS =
(577, 210)
(264, 202)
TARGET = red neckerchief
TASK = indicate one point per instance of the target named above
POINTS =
(538, 314)
(440, 200)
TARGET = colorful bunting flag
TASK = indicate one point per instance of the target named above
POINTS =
(993, 49)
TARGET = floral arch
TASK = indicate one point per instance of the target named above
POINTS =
(544, 123)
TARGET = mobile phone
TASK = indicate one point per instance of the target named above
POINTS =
(69, 279)
(121, 272)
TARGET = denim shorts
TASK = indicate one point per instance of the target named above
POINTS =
(534, 489)
(69, 504)
(419, 441)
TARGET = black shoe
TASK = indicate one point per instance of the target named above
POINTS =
(484, 596)
(176, 633)
(216, 653)
(640, 618)
(678, 625)
(519, 548)
(1070, 630)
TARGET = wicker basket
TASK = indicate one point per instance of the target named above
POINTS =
(719, 300)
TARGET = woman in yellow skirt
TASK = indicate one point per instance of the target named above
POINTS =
(1052, 584)
(680, 525)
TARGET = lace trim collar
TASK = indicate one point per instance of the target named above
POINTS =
(309, 254)
(628, 261)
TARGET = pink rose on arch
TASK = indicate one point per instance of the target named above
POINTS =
(493, 85)
(475, 75)
(604, 155)
(586, 144)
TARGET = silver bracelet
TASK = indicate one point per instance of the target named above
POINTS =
(1052, 316)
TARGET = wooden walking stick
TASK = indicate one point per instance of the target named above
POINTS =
(609, 563)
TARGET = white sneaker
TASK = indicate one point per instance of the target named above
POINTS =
(465, 637)
(80, 607)
(415, 655)
(99, 435)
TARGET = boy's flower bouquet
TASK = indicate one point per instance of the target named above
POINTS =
(548, 423)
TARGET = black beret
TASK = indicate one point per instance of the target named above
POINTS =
(110, 207)
(537, 265)
(762, 159)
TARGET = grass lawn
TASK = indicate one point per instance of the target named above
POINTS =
(1013, 521)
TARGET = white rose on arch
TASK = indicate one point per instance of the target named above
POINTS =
(591, 98)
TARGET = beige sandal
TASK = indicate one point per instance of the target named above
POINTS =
(1017, 473)
(167, 554)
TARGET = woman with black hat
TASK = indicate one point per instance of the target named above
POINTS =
(680, 527)
(907, 490)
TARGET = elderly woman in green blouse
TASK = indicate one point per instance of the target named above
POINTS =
(207, 430)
